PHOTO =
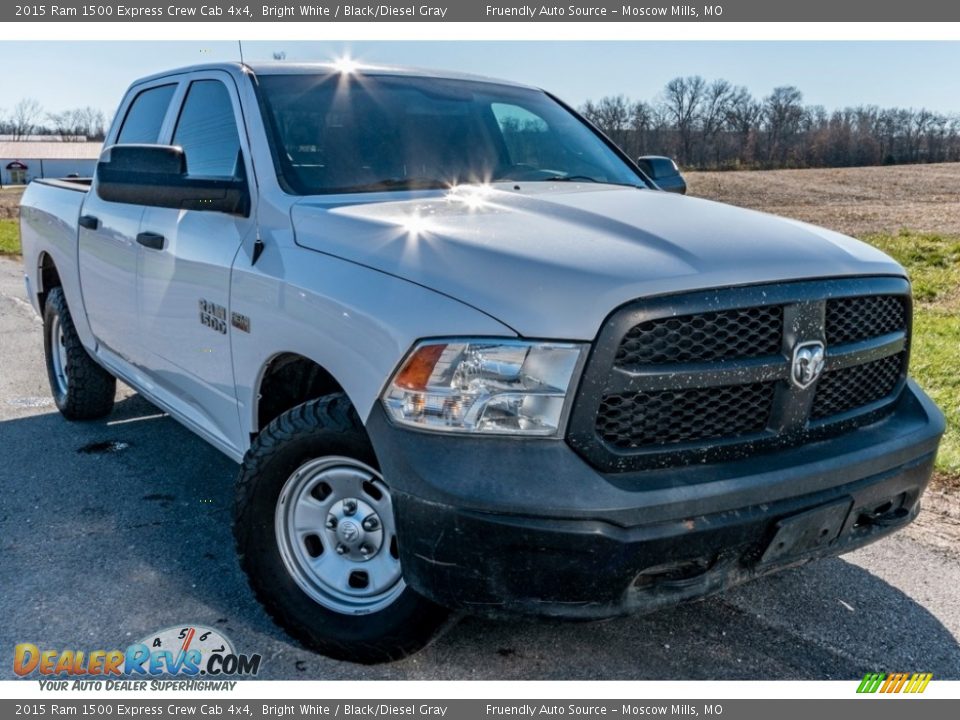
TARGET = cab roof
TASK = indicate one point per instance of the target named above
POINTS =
(327, 68)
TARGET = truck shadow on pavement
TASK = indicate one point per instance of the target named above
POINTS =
(112, 529)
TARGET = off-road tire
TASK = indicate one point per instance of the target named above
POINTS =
(90, 390)
(325, 427)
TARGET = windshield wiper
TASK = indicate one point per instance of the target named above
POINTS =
(587, 178)
(408, 183)
(571, 178)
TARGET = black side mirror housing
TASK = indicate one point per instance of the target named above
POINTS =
(664, 172)
(157, 175)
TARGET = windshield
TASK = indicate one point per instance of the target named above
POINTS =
(360, 133)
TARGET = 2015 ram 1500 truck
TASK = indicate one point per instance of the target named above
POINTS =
(468, 355)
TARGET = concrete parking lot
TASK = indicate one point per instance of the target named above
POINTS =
(112, 529)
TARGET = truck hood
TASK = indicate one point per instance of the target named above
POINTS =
(552, 260)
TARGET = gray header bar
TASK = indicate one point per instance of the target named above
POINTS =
(483, 11)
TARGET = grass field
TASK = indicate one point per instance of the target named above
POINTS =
(9, 237)
(911, 212)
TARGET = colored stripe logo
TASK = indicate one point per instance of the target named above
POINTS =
(894, 683)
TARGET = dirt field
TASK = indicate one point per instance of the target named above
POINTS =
(855, 201)
(9, 199)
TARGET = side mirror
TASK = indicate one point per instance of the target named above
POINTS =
(664, 172)
(157, 175)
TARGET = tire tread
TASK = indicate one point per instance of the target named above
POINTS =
(91, 390)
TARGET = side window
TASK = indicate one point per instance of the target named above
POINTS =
(527, 136)
(207, 131)
(145, 115)
(533, 142)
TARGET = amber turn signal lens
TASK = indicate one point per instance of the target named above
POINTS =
(417, 370)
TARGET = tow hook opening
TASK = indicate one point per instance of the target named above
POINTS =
(885, 514)
(676, 574)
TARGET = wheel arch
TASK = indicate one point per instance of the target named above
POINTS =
(48, 277)
(286, 380)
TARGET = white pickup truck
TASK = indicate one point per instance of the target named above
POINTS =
(468, 355)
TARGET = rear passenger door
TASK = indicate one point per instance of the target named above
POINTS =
(184, 278)
(107, 237)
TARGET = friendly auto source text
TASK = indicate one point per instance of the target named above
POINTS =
(540, 11)
(594, 710)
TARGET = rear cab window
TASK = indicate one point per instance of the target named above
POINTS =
(145, 115)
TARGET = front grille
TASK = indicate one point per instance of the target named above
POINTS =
(669, 417)
(852, 387)
(706, 376)
(857, 318)
(704, 337)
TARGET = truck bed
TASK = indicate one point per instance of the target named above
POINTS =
(74, 184)
(49, 211)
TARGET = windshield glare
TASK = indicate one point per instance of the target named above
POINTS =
(360, 133)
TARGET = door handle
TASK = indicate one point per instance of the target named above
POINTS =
(152, 240)
(89, 222)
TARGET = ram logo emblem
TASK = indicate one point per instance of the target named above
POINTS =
(808, 362)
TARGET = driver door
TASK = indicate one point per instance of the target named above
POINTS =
(183, 279)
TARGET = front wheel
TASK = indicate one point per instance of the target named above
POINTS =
(315, 530)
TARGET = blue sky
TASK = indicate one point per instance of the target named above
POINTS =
(910, 74)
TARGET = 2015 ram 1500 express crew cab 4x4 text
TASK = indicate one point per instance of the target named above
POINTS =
(468, 355)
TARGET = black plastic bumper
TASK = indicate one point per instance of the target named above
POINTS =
(508, 525)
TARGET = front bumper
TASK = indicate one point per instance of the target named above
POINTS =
(525, 525)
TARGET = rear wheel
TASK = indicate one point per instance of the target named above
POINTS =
(82, 390)
(315, 530)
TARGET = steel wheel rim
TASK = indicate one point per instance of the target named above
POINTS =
(58, 353)
(348, 564)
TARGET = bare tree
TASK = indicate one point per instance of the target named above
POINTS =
(784, 111)
(643, 123)
(78, 124)
(682, 100)
(743, 118)
(612, 115)
(23, 120)
(713, 114)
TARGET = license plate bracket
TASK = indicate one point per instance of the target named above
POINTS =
(807, 532)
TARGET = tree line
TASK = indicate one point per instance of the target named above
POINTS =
(700, 123)
(28, 118)
(717, 125)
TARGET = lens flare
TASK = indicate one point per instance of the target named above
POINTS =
(346, 65)
(474, 197)
(416, 225)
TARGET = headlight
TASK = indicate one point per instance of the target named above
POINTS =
(484, 386)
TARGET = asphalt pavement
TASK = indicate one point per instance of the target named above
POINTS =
(112, 529)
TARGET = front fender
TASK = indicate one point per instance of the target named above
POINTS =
(355, 322)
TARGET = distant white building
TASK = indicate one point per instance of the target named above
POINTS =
(21, 162)
(43, 138)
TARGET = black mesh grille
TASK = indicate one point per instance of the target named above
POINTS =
(858, 318)
(849, 388)
(636, 420)
(706, 377)
(704, 337)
